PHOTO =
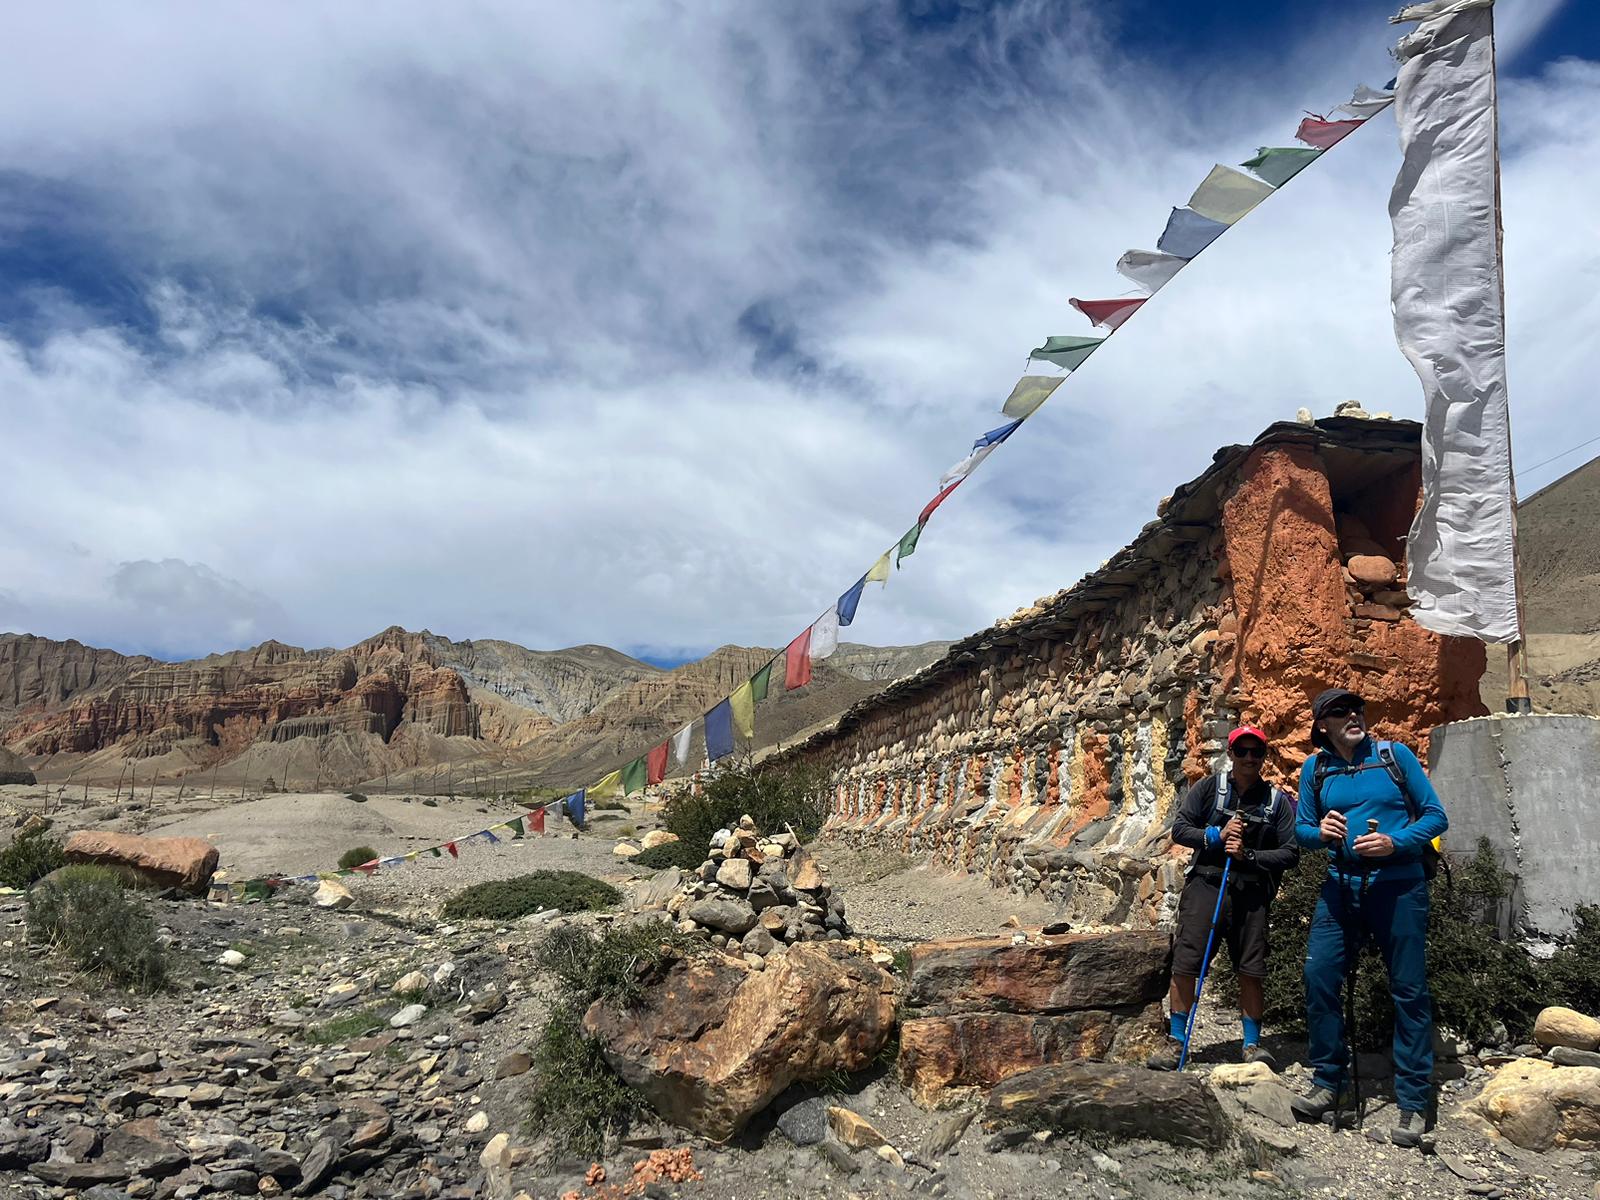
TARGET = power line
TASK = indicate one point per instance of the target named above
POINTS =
(1563, 454)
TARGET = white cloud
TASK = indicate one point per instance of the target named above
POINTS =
(444, 319)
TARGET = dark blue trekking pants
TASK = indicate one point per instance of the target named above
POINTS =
(1394, 913)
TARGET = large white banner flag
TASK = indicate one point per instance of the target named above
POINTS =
(1450, 323)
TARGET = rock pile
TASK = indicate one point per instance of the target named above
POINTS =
(1549, 1096)
(755, 894)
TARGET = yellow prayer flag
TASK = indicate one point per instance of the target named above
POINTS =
(609, 786)
(743, 703)
(880, 570)
(1226, 195)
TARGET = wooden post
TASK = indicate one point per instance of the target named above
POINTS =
(1518, 699)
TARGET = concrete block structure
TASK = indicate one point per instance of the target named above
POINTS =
(1048, 751)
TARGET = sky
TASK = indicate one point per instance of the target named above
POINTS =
(653, 324)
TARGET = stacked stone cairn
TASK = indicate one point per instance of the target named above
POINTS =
(755, 894)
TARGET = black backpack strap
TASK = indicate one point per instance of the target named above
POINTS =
(1326, 765)
(1397, 776)
(1219, 797)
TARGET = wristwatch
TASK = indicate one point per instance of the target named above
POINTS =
(1250, 857)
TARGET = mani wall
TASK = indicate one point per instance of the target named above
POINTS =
(1049, 751)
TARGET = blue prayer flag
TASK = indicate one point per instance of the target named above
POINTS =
(1188, 233)
(573, 807)
(719, 731)
(848, 602)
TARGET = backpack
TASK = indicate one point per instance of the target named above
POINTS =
(1220, 812)
(1328, 764)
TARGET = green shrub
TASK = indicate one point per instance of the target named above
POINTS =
(355, 856)
(774, 799)
(576, 1099)
(31, 856)
(670, 854)
(508, 899)
(84, 913)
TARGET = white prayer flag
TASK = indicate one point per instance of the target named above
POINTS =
(825, 634)
(1450, 323)
(1367, 102)
(680, 744)
(1150, 269)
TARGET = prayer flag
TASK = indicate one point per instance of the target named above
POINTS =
(743, 706)
(1150, 269)
(825, 635)
(434, 850)
(574, 806)
(1226, 194)
(536, 820)
(609, 786)
(393, 860)
(1322, 133)
(927, 511)
(656, 764)
(633, 776)
(1067, 353)
(880, 570)
(1367, 102)
(515, 825)
(1187, 233)
(797, 661)
(980, 451)
(489, 834)
(1279, 164)
(451, 846)
(848, 601)
(719, 732)
(908, 544)
(1030, 392)
(680, 744)
(1449, 320)
(761, 682)
(1108, 313)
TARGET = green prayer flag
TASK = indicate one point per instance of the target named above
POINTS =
(633, 776)
(434, 850)
(761, 681)
(908, 544)
(515, 825)
(1066, 352)
(1279, 164)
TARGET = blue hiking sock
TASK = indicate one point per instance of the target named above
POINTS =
(1252, 1030)
(1177, 1023)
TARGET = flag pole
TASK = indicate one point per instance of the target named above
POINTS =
(1518, 699)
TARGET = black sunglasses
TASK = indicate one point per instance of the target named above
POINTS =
(1248, 751)
(1345, 710)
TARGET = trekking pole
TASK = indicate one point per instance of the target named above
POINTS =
(1352, 961)
(1205, 964)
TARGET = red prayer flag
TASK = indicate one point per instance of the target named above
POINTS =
(1322, 133)
(368, 867)
(927, 512)
(797, 662)
(536, 820)
(1109, 313)
(655, 765)
(451, 846)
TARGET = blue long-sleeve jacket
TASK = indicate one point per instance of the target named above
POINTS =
(1362, 789)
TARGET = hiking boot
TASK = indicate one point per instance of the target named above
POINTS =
(1168, 1057)
(1260, 1054)
(1315, 1104)
(1408, 1130)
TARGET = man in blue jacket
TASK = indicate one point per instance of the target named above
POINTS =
(1377, 886)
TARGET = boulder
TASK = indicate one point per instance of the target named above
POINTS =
(332, 894)
(723, 913)
(186, 863)
(1537, 1105)
(803, 872)
(626, 850)
(943, 1058)
(657, 837)
(1373, 570)
(1110, 1098)
(1042, 975)
(735, 874)
(1557, 1026)
(712, 1042)
(655, 892)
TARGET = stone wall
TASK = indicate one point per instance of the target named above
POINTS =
(1049, 751)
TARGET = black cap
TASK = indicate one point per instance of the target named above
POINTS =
(1325, 700)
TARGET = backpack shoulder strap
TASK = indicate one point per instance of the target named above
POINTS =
(1326, 765)
(1397, 775)
(1219, 799)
